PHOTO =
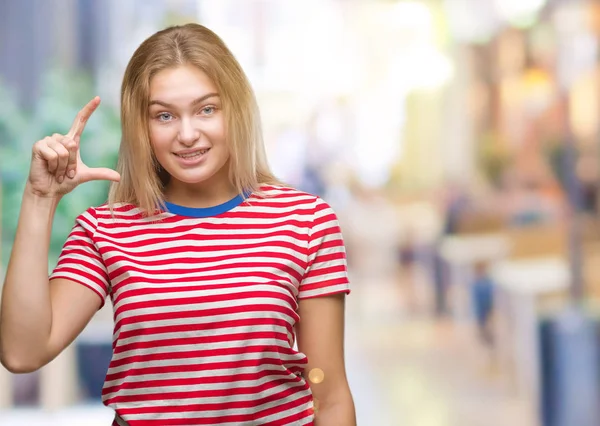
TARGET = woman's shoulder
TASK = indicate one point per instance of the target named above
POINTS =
(112, 212)
(283, 191)
(290, 198)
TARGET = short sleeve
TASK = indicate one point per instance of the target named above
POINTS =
(80, 260)
(327, 270)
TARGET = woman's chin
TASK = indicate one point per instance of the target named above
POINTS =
(192, 177)
(189, 180)
(197, 175)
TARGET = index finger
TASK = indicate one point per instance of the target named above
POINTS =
(82, 118)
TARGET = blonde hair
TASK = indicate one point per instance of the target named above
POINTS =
(142, 178)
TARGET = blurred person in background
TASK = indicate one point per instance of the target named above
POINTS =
(209, 261)
(454, 205)
(482, 296)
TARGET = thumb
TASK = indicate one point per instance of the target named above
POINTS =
(100, 173)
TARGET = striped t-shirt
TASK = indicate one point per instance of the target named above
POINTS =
(205, 302)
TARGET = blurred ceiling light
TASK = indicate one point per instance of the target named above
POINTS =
(536, 90)
(377, 130)
(471, 21)
(409, 14)
(422, 67)
(415, 61)
(432, 69)
(520, 13)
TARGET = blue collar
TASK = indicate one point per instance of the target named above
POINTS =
(204, 211)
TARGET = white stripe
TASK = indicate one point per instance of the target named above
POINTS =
(222, 331)
(201, 277)
(84, 260)
(197, 374)
(278, 416)
(278, 292)
(201, 280)
(204, 262)
(330, 250)
(274, 253)
(323, 278)
(195, 277)
(90, 223)
(244, 316)
(183, 400)
(225, 247)
(249, 356)
(204, 307)
(148, 243)
(74, 240)
(120, 421)
(174, 349)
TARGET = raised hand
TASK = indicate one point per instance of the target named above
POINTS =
(56, 166)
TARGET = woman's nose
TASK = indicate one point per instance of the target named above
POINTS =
(188, 133)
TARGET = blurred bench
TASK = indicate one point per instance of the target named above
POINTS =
(531, 270)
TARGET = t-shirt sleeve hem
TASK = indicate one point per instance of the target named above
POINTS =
(322, 293)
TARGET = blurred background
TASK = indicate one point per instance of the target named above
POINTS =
(458, 141)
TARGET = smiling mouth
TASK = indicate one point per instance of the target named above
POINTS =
(193, 154)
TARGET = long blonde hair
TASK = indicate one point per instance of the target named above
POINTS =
(142, 179)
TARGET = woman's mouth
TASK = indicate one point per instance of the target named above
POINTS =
(192, 155)
(191, 158)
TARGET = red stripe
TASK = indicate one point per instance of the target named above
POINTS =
(183, 328)
(330, 283)
(194, 368)
(268, 255)
(200, 270)
(212, 393)
(199, 353)
(146, 318)
(222, 419)
(202, 340)
(191, 381)
(186, 300)
(104, 251)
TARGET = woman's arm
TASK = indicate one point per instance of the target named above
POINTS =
(39, 319)
(321, 337)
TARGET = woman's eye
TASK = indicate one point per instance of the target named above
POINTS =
(209, 110)
(164, 116)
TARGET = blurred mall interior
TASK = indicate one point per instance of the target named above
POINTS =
(459, 143)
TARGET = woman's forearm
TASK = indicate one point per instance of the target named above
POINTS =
(25, 313)
(336, 413)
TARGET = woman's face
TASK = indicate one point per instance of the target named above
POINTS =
(187, 128)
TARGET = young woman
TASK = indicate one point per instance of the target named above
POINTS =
(216, 271)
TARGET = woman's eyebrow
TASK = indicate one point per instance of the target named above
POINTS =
(194, 102)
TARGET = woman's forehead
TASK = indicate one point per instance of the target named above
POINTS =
(181, 84)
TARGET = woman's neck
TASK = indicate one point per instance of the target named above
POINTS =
(199, 196)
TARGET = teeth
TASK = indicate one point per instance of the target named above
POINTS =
(193, 154)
